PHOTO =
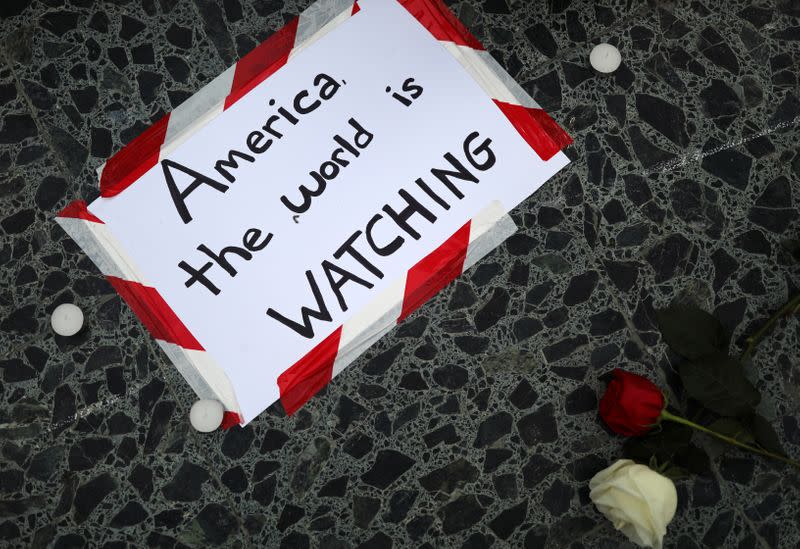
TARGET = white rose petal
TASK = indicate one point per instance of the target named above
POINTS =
(637, 500)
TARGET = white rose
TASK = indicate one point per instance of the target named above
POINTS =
(636, 499)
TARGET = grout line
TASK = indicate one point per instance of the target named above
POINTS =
(613, 30)
(44, 135)
(697, 156)
(721, 482)
(79, 414)
(205, 448)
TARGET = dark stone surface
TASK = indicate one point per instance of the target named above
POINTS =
(474, 423)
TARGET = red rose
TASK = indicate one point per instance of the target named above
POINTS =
(632, 404)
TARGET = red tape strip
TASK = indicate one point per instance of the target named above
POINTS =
(77, 209)
(159, 319)
(435, 16)
(130, 163)
(536, 128)
(311, 373)
(557, 134)
(230, 419)
(308, 375)
(435, 271)
(262, 62)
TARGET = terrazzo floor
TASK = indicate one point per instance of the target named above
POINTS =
(473, 424)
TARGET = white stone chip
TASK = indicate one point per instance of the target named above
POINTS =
(605, 58)
(67, 319)
(206, 415)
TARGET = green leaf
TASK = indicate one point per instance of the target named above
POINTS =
(765, 435)
(668, 469)
(691, 332)
(719, 384)
(668, 448)
(732, 428)
(694, 459)
(660, 444)
(675, 473)
(639, 450)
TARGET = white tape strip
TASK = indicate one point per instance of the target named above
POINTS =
(366, 327)
(487, 230)
(203, 374)
(198, 110)
(80, 231)
(491, 76)
(188, 371)
(318, 20)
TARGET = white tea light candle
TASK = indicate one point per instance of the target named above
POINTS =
(67, 319)
(605, 58)
(206, 415)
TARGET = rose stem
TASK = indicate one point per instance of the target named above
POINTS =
(754, 339)
(677, 419)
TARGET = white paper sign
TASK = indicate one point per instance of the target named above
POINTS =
(356, 119)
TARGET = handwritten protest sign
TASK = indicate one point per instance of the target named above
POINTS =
(274, 222)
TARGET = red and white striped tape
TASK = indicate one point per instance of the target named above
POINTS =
(299, 382)
(422, 281)
(145, 151)
(182, 348)
(302, 380)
